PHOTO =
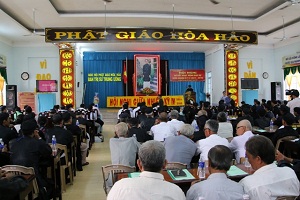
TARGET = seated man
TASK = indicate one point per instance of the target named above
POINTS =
(212, 139)
(141, 134)
(181, 148)
(217, 185)
(11, 186)
(150, 184)
(287, 130)
(123, 149)
(162, 130)
(225, 128)
(174, 120)
(268, 181)
(6, 132)
(31, 151)
(237, 144)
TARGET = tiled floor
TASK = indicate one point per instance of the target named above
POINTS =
(88, 183)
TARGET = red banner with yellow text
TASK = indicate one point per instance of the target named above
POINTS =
(67, 76)
(177, 75)
(232, 74)
(149, 100)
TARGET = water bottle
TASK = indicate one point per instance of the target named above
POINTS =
(134, 136)
(77, 122)
(247, 164)
(201, 198)
(1, 144)
(54, 150)
(271, 126)
(201, 169)
(246, 197)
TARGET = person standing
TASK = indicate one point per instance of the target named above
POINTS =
(150, 184)
(146, 73)
(295, 102)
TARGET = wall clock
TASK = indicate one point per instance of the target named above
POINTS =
(265, 75)
(25, 76)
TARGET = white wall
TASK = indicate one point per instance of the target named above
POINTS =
(214, 63)
(79, 77)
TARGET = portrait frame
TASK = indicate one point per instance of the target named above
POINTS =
(146, 77)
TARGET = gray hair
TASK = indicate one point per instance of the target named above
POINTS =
(174, 114)
(202, 112)
(187, 130)
(152, 155)
(222, 117)
(121, 129)
(220, 157)
(213, 125)
(246, 123)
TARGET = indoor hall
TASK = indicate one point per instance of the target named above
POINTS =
(88, 184)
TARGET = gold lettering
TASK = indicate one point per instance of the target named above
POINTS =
(144, 34)
(160, 35)
(244, 38)
(122, 35)
(74, 35)
(220, 36)
(189, 35)
(89, 35)
(58, 35)
(202, 36)
(43, 64)
(132, 35)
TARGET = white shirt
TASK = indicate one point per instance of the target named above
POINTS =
(195, 125)
(237, 145)
(270, 181)
(135, 110)
(292, 104)
(149, 186)
(176, 123)
(162, 131)
(123, 150)
(206, 144)
(225, 130)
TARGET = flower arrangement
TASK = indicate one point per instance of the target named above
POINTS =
(147, 91)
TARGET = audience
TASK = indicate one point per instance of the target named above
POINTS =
(6, 132)
(268, 181)
(162, 130)
(225, 128)
(181, 148)
(141, 134)
(150, 184)
(123, 149)
(174, 120)
(217, 185)
(212, 139)
(237, 144)
(149, 121)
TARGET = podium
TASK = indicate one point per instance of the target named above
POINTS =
(190, 96)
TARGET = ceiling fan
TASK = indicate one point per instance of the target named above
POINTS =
(283, 31)
(233, 36)
(34, 33)
(173, 33)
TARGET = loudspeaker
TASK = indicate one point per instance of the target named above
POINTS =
(276, 91)
(11, 97)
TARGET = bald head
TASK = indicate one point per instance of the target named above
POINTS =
(243, 126)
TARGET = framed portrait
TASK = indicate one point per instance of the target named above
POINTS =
(147, 78)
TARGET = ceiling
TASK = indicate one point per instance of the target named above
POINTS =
(264, 16)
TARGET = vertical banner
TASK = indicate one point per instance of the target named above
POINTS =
(232, 75)
(67, 76)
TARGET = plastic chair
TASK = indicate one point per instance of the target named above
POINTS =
(175, 165)
(67, 165)
(286, 138)
(19, 170)
(108, 172)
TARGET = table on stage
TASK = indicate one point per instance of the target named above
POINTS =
(186, 183)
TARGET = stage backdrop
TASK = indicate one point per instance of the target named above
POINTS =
(103, 73)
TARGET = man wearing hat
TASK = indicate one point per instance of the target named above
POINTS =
(30, 150)
(295, 102)
(149, 121)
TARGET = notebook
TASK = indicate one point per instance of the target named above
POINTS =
(182, 175)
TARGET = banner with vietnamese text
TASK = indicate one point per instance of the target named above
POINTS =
(177, 75)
